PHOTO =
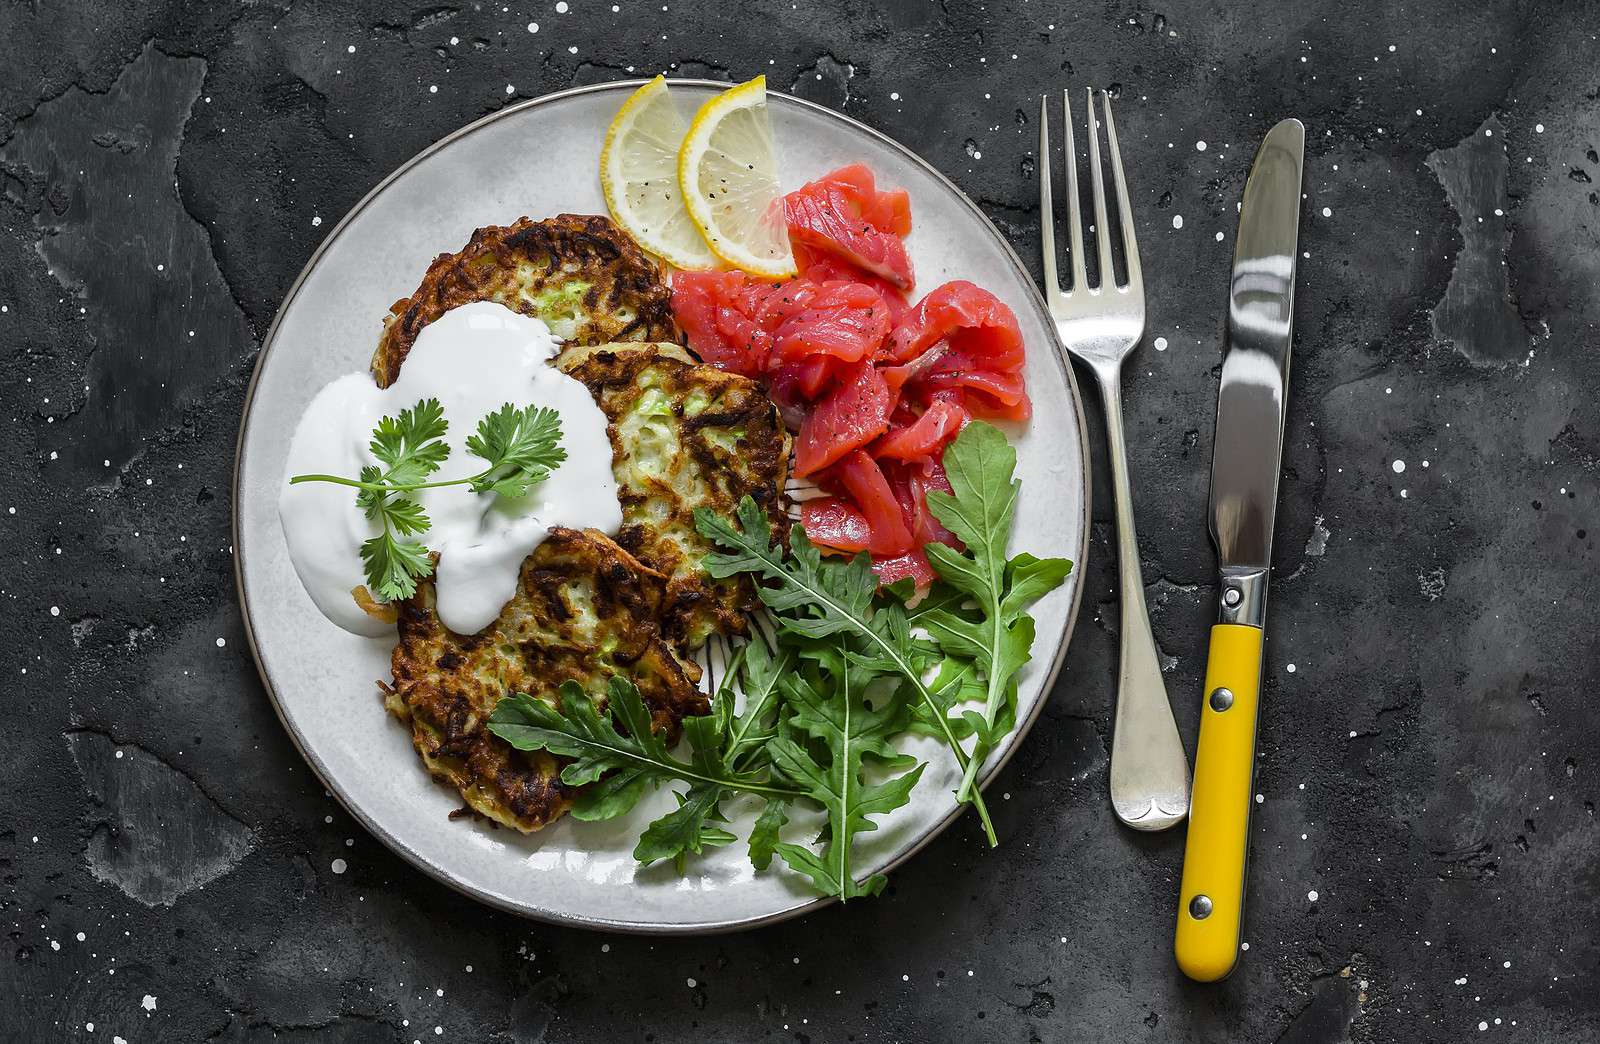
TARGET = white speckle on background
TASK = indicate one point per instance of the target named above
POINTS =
(1161, 344)
(149, 1003)
(510, 89)
(1177, 221)
(55, 610)
(351, 49)
(1399, 466)
(1538, 128)
(561, 7)
(1219, 237)
(1200, 146)
(1312, 895)
(340, 866)
(533, 27)
(1290, 668)
(1327, 212)
(690, 983)
(316, 221)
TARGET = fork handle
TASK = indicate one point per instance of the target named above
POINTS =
(1149, 773)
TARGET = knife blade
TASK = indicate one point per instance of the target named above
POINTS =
(1247, 454)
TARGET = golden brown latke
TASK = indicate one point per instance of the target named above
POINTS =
(580, 273)
(584, 609)
(684, 435)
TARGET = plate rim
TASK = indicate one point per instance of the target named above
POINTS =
(442, 874)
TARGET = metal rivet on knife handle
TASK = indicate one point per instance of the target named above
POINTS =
(1221, 698)
(1231, 596)
(1200, 907)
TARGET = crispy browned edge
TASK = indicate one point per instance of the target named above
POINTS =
(447, 722)
(592, 243)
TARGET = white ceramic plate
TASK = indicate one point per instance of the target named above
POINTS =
(538, 158)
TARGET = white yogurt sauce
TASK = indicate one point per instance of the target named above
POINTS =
(473, 359)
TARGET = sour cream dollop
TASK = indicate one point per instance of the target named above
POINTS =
(473, 359)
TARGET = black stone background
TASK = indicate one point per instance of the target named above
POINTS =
(1426, 766)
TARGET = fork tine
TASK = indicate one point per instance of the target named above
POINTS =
(1074, 201)
(1102, 231)
(1130, 242)
(1047, 209)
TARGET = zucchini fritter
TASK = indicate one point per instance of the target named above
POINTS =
(580, 273)
(684, 435)
(584, 610)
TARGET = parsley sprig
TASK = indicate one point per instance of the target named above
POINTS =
(521, 446)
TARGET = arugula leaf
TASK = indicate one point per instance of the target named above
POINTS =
(615, 766)
(758, 671)
(956, 682)
(979, 511)
(816, 598)
(821, 598)
(689, 828)
(522, 448)
(850, 729)
(764, 839)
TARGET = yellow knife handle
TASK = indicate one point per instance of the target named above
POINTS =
(1211, 899)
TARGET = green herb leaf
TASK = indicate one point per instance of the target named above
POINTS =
(816, 598)
(579, 732)
(410, 447)
(758, 671)
(979, 511)
(691, 827)
(394, 566)
(764, 839)
(955, 683)
(522, 448)
(849, 729)
(405, 516)
(614, 766)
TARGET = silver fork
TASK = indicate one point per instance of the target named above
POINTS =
(1100, 325)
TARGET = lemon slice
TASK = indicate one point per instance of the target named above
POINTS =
(728, 173)
(639, 176)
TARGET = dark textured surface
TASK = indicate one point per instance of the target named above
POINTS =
(1427, 758)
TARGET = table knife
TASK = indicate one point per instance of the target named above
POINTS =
(1246, 456)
